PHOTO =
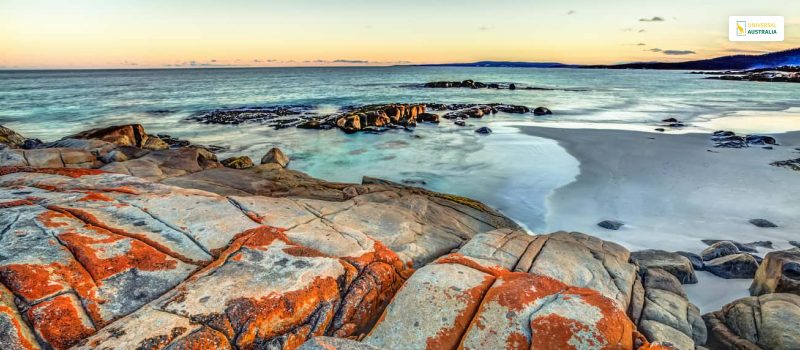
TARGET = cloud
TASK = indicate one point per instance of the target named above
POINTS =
(652, 19)
(641, 44)
(642, 30)
(485, 28)
(679, 52)
(570, 12)
(351, 61)
(256, 60)
(654, 50)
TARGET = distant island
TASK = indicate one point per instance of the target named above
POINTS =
(734, 62)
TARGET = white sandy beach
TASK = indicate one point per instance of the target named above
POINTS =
(671, 191)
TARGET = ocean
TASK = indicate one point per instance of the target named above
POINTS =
(508, 170)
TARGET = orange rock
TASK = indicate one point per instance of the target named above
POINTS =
(60, 322)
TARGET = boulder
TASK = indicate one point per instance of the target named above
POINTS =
(778, 273)
(750, 247)
(667, 314)
(428, 118)
(160, 165)
(10, 137)
(276, 156)
(460, 122)
(674, 263)
(99, 251)
(121, 135)
(696, 260)
(483, 130)
(240, 162)
(542, 111)
(769, 322)
(740, 265)
(719, 249)
(610, 224)
(764, 223)
(49, 158)
(486, 307)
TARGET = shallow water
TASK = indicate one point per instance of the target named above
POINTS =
(507, 170)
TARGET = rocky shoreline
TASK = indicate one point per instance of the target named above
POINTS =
(783, 74)
(115, 238)
(368, 118)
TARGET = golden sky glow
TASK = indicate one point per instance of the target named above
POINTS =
(162, 33)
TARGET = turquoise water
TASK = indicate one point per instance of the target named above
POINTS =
(510, 171)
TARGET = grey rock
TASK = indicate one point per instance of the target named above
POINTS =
(763, 223)
(542, 111)
(768, 322)
(331, 343)
(733, 266)
(483, 130)
(610, 224)
(778, 273)
(719, 249)
(276, 156)
(696, 260)
(674, 263)
(750, 247)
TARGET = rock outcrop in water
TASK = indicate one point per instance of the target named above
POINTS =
(368, 118)
(783, 74)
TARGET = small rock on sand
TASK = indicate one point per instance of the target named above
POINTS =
(610, 224)
(763, 223)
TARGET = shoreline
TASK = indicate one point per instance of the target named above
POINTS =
(671, 191)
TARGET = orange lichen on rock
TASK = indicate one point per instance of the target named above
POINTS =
(456, 258)
(95, 197)
(203, 339)
(560, 316)
(366, 298)
(95, 224)
(90, 250)
(121, 189)
(70, 172)
(15, 203)
(60, 322)
(450, 338)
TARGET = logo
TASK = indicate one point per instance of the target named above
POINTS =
(755, 28)
(740, 28)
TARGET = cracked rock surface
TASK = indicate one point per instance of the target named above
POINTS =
(271, 258)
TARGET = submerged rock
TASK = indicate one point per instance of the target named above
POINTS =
(768, 321)
(739, 265)
(240, 162)
(762, 223)
(483, 130)
(275, 155)
(610, 224)
(542, 111)
(778, 273)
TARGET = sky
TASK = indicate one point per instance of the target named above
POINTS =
(204, 33)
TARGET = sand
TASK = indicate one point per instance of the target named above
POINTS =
(673, 190)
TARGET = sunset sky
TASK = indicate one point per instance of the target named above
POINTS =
(169, 33)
